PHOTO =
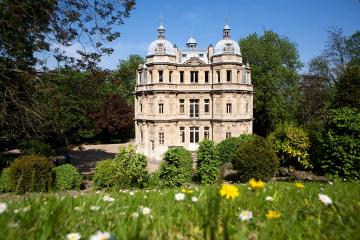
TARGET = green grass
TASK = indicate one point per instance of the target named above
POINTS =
(303, 215)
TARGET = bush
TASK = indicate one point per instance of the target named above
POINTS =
(208, 162)
(227, 148)
(291, 145)
(31, 173)
(256, 159)
(131, 168)
(67, 177)
(35, 146)
(5, 184)
(176, 167)
(105, 175)
(341, 147)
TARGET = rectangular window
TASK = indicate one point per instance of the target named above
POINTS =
(247, 107)
(181, 76)
(206, 76)
(161, 138)
(194, 107)
(238, 76)
(206, 132)
(218, 76)
(228, 134)
(228, 108)
(193, 76)
(201, 54)
(243, 76)
(151, 77)
(170, 74)
(141, 107)
(161, 76)
(141, 137)
(182, 134)
(194, 134)
(228, 75)
(181, 106)
(207, 105)
(183, 55)
(152, 143)
(161, 108)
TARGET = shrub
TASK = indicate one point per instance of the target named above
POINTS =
(35, 146)
(227, 148)
(341, 146)
(105, 175)
(67, 177)
(31, 173)
(256, 159)
(176, 167)
(207, 162)
(291, 145)
(5, 184)
(131, 167)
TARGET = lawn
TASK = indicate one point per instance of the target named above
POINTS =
(156, 214)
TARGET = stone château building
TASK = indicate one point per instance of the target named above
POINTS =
(185, 95)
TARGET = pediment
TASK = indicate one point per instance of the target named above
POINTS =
(194, 61)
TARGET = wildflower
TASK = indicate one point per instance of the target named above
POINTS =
(273, 214)
(325, 199)
(246, 215)
(77, 208)
(256, 184)
(107, 198)
(73, 236)
(145, 210)
(331, 183)
(194, 199)
(299, 185)
(135, 215)
(269, 198)
(179, 197)
(132, 193)
(184, 190)
(94, 208)
(100, 236)
(229, 191)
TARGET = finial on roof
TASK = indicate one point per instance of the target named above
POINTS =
(161, 30)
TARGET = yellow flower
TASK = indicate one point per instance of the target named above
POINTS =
(273, 214)
(229, 191)
(256, 184)
(184, 190)
(299, 185)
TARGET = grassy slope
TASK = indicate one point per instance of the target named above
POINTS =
(303, 216)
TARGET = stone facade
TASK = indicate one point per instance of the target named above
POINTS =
(185, 95)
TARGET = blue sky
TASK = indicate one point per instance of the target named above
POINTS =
(302, 21)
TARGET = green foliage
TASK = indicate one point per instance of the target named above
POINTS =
(274, 62)
(348, 88)
(5, 181)
(31, 173)
(208, 162)
(256, 159)
(227, 147)
(176, 167)
(105, 175)
(131, 167)
(341, 147)
(35, 146)
(67, 177)
(291, 145)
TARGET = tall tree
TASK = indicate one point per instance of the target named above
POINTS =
(353, 48)
(274, 62)
(348, 88)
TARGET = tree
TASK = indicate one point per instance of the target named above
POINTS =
(353, 48)
(208, 162)
(124, 80)
(274, 61)
(348, 88)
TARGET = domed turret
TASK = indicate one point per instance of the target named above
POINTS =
(226, 45)
(161, 46)
(191, 43)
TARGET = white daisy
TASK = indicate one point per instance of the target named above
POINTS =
(246, 215)
(194, 199)
(94, 208)
(145, 210)
(135, 215)
(107, 198)
(325, 199)
(132, 193)
(73, 236)
(179, 197)
(100, 236)
(269, 198)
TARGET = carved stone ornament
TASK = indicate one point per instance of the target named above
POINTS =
(229, 48)
(160, 48)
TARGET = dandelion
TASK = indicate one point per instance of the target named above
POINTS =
(256, 184)
(273, 214)
(299, 185)
(246, 215)
(100, 236)
(325, 199)
(269, 198)
(184, 190)
(94, 208)
(107, 198)
(145, 210)
(132, 193)
(179, 197)
(229, 191)
(73, 236)
(194, 199)
(135, 215)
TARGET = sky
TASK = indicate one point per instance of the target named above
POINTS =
(304, 22)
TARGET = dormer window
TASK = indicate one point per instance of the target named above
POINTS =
(183, 55)
(201, 55)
